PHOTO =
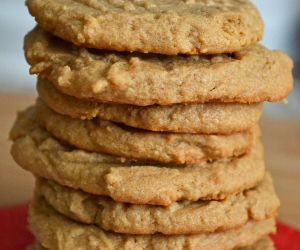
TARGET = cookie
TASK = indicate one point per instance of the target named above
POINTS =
(107, 137)
(207, 118)
(252, 75)
(263, 244)
(130, 181)
(165, 27)
(184, 217)
(55, 231)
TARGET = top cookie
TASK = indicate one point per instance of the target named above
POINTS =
(156, 26)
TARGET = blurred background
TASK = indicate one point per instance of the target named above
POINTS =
(280, 124)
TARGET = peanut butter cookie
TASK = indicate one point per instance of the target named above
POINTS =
(55, 231)
(107, 137)
(127, 180)
(165, 27)
(183, 217)
(252, 75)
(207, 118)
(263, 244)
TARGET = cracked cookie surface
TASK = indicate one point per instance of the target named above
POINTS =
(263, 244)
(258, 203)
(252, 75)
(127, 180)
(55, 231)
(206, 118)
(165, 27)
(107, 137)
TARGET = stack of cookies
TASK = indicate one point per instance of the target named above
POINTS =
(145, 133)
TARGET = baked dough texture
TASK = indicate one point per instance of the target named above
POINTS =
(127, 180)
(156, 26)
(55, 231)
(263, 244)
(107, 137)
(145, 133)
(259, 203)
(206, 118)
(252, 75)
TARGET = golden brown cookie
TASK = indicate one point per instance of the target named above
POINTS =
(263, 244)
(165, 27)
(55, 231)
(126, 180)
(259, 203)
(207, 118)
(107, 137)
(252, 75)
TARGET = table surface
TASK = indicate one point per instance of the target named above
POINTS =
(282, 150)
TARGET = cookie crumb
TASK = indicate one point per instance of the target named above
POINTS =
(99, 86)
